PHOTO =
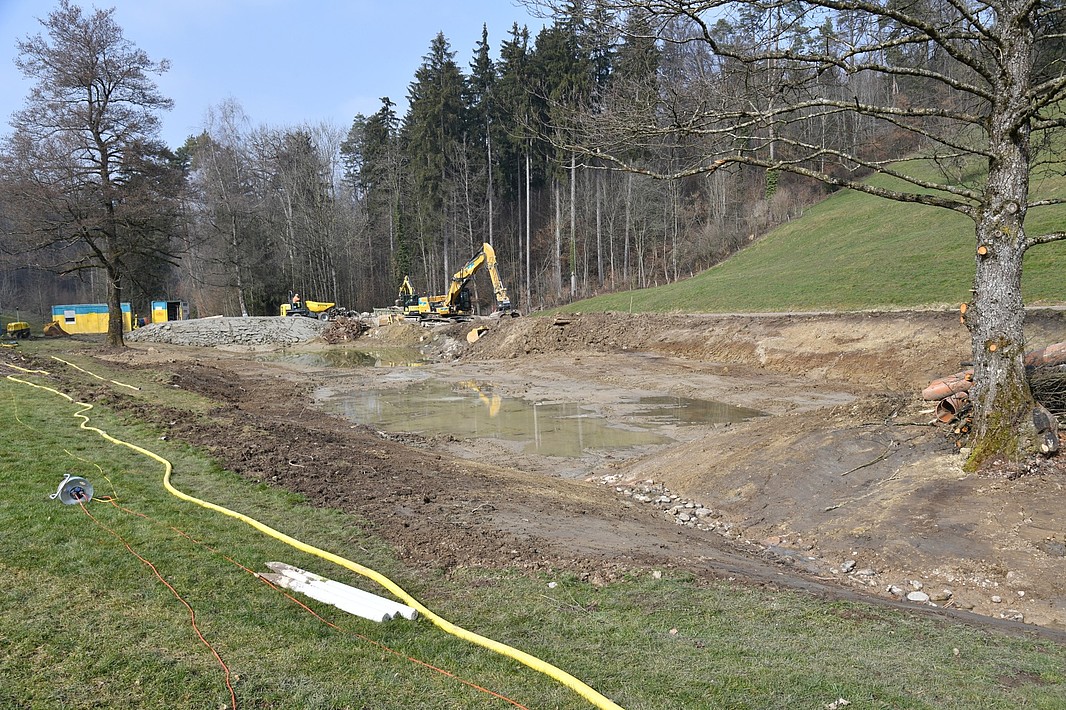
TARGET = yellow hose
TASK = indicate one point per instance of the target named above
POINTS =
(93, 374)
(557, 674)
(23, 369)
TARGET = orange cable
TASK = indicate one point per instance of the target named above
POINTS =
(315, 614)
(192, 613)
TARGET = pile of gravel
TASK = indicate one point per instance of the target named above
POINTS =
(254, 331)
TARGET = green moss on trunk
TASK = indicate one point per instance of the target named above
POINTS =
(1006, 430)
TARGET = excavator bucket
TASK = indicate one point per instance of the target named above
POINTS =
(475, 334)
(54, 330)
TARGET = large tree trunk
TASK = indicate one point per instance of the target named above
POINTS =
(1003, 406)
(1002, 403)
(114, 309)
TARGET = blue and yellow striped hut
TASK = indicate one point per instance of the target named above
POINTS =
(88, 317)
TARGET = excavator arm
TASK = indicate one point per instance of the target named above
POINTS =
(456, 302)
(463, 275)
(407, 297)
(485, 257)
(503, 302)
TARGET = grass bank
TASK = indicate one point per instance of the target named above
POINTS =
(85, 624)
(853, 251)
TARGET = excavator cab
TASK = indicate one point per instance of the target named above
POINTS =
(408, 297)
(463, 302)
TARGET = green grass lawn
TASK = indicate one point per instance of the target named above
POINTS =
(84, 624)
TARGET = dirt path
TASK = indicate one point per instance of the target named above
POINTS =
(845, 489)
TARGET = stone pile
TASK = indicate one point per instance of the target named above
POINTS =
(687, 513)
(254, 331)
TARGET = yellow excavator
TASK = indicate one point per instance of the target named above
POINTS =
(408, 297)
(456, 303)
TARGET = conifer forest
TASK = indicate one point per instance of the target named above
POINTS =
(553, 147)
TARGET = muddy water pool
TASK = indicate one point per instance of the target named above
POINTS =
(550, 428)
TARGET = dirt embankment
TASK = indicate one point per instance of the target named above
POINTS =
(891, 350)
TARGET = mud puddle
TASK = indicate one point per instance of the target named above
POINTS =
(684, 411)
(545, 428)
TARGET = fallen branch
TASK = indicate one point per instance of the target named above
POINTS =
(893, 477)
(882, 457)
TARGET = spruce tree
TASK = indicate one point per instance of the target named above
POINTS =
(433, 130)
(485, 125)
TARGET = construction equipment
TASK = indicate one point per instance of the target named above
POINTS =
(18, 329)
(54, 330)
(319, 310)
(456, 302)
(408, 297)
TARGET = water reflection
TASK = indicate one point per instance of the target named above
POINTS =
(549, 428)
(684, 410)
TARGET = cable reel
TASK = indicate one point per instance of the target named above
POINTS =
(73, 489)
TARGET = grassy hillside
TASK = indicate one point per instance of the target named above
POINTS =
(853, 251)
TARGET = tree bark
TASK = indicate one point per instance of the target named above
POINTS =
(599, 230)
(573, 226)
(529, 230)
(238, 282)
(1002, 403)
(114, 308)
(626, 228)
(558, 268)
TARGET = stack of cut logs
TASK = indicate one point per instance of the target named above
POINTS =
(1046, 368)
(951, 395)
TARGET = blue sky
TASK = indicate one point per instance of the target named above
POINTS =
(286, 62)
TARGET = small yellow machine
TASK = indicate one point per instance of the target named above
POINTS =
(18, 329)
(309, 309)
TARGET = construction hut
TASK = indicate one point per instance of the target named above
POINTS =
(88, 317)
(163, 311)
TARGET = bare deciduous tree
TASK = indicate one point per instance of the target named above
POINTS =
(223, 180)
(81, 168)
(969, 86)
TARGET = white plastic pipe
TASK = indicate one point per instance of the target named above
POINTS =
(358, 596)
(328, 597)
(355, 596)
(394, 608)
